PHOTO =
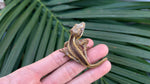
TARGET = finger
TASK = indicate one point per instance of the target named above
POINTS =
(92, 75)
(71, 68)
(99, 52)
(51, 62)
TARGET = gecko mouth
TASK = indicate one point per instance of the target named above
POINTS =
(82, 26)
(82, 29)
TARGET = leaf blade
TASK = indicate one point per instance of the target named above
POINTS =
(14, 54)
(33, 46)
(12, 16)
(13, 30)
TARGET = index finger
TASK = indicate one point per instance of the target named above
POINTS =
(51, 62)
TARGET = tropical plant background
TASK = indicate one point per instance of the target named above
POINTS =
(32, 29)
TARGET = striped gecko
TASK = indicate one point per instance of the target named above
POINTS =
(77, 49)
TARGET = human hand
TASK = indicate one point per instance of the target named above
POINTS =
(58, 69)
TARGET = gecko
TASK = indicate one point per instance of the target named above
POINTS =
(77, 49)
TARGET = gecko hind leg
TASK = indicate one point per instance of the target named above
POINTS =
(66, 52)
(63, 50)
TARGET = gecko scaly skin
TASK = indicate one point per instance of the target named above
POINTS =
(77, 49)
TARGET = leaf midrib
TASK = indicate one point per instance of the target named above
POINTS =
(52, 14)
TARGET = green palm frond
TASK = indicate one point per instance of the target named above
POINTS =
(32, 29)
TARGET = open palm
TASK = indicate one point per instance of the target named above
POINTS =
(32, 29)
(58, 69)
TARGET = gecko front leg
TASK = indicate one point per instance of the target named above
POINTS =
(65, 44)
(84, 43)
(66, 52)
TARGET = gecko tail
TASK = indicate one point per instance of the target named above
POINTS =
(97, 64)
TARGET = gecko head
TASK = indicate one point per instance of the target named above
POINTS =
(78, 30)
